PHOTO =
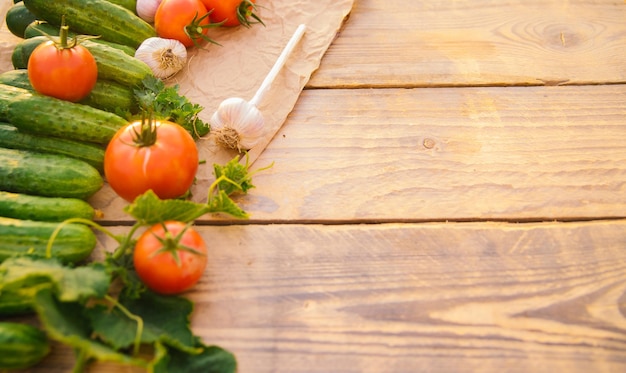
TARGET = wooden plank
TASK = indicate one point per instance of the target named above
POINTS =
(456, 297)
(533, 153)
(477, 42)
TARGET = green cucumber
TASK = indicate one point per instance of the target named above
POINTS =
(16, 78)
(73, 243)
(38, 208)
(105, 95)
(95, 17)
(128, 4)
(43, 28)
(111, 96)
(21, 345)
(7, 95)
(17, 18)
(48, 116)
(15, 302)
(47, 175)
(12, 138)
(113, 64)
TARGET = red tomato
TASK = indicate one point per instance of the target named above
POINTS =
(65, 73)
(184, 20)
(167, 164)
(232, 12)
(170, 257)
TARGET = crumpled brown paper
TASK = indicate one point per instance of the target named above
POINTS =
(236, 68)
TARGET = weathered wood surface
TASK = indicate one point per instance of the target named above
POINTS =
(478, 42)
(431, 283)
(526, 153)
(460, 297)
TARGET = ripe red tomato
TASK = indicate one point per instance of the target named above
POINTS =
(184, 20)
(170, 257)
(232, 12)
(65, 73)
(135, 162)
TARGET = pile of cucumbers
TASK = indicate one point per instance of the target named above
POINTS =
(51, 150)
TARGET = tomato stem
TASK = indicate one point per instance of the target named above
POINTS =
(171, 244)
(194, 30)
(245, 10)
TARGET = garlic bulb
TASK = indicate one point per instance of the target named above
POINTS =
(237, 124)
(165, 57)
(146, 9)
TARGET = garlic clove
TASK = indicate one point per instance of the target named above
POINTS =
(146, 9)
(165, 57)
(237, 124)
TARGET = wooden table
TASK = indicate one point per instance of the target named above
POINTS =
(448, 195)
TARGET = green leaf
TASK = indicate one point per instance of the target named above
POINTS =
(212, 359)
(222, 203)
(71, 284)
(167, 103)
(112, 326)
(65, 322)
(166, 319)
(235, 177)
(149, 209)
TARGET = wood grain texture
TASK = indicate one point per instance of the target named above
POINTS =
(463, 297)
(531, 153)
(477, 42)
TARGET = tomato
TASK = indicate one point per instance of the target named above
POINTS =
(232, 12)
(162, 157)
(184, 20)
(170, 257)
(68, 73)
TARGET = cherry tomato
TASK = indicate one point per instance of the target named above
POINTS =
(162, 157)
(184, 20)
(67, 73)
(170, 257)
(232, 12)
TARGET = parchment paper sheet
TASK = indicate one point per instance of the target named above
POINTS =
(236, 68)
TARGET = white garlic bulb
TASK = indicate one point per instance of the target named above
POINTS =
(165, 57)
(237, 124)
(146, 9)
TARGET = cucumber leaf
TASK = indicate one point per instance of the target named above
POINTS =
(70, 284)
(149, 209)
(212, 359)
(165, 320)
(65, 322)
(233, 176)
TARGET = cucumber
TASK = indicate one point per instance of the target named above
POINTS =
(12, 138)
(95, 17)
(128, 4)
(16, 78)
(17, 18)
(48, 116)
(73, 243)
(15, 302)
(21, 345)
(105, 95)
(47, 175)
(113, 64)
(7, 95)
(43, 28)
(54, 209)
(111, 96)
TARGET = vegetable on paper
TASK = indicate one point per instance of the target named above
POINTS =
(149, 154)
(165, 57)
